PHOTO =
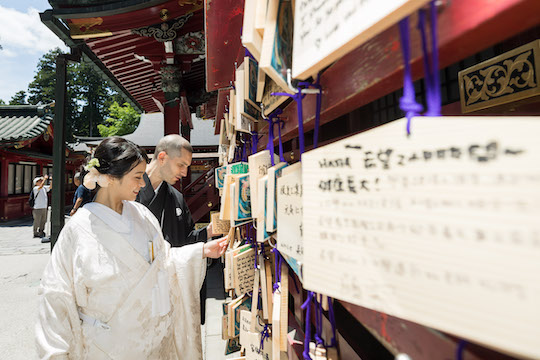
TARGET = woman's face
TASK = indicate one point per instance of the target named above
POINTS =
(129, 185)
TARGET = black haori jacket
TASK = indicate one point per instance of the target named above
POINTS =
(172, 213)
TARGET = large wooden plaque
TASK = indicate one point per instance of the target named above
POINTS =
(325, 30)
(441, 228)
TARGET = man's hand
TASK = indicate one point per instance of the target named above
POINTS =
(72, 212)
(215, 248)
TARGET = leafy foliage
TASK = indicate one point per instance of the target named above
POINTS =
(88, 95)
(2, 102)
(123, 120)
(19, 98)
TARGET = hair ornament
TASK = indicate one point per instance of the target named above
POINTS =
(94, 177)
(93, 163)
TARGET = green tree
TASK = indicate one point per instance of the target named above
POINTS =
(19, 98)
(122, 120)
(88, 95)
(2, 102)
(42, 89)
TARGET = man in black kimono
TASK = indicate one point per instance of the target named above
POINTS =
(172, 158)
(170, 163)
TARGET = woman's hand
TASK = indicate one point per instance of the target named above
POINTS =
(215, 248)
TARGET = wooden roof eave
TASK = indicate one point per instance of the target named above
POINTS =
(52, 21)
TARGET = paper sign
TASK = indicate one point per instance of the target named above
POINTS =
(440, 228)
(289, 212)
(325, 30)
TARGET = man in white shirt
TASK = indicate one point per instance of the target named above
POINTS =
(41, 202)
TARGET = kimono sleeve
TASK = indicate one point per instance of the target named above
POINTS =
(58, 330)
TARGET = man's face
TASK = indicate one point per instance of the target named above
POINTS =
(175, 168)
(39, 182)
(76, 181)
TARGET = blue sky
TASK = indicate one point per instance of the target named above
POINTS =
(24, 40)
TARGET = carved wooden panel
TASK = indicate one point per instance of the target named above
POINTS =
(506, 78)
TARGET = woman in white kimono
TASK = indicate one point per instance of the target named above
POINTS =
(113, 288)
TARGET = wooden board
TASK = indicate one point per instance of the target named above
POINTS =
(251, 38)
(271, 200)
(258, 167)
(324, 31)
(427, 228)
(289, 212)
(276, 54)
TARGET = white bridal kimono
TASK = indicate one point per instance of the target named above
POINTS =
(102, 298)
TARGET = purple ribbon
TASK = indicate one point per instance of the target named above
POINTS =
(265, 334)
(280, 124)
(270, 144)
(407, 102)
(307, 338)
(431, 66)
(318, 321)
(278, 260)
(460, 349)
(254, 142)
(298, 99)
(332, 319)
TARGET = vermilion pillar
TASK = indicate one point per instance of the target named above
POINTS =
(170, 84)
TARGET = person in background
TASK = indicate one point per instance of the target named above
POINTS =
(41, 203)
(82, 194)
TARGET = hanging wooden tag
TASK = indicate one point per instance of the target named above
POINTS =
(269, 284)
(264, 289)
(246, 325)
(276, 326)
(255, 300)
(284, 307)
(254, 350)
(244, 271)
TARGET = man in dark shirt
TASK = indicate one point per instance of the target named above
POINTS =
(170, 163)
(82, 194)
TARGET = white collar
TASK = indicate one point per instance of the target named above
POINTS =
(122, 223)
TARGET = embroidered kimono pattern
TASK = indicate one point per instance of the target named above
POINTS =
(131, 308)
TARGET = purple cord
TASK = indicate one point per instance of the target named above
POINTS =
(277, 264)
(298, 99)
(318, 321)
(280, 124)
(307, 338)
(265, 334)
(434, 105)
(317, 113)
(407, 103)
(331, 317)
(460, 349)
(254, 142)
(270, 145)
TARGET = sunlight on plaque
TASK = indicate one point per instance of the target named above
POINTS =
(440, 228)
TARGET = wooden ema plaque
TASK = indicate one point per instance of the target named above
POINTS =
(289, 212)
(440, 228)
(324, 31)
